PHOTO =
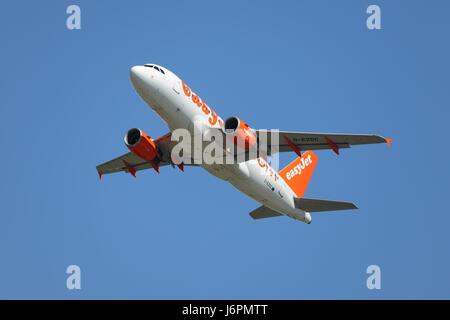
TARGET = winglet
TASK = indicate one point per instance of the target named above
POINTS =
(100, 174)
(293, 146)
(130, 169)
(332, 145)
(388, 141)
(181, 166)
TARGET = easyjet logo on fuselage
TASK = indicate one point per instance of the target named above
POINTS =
(298, 169)
(213, 118)
(267, 168)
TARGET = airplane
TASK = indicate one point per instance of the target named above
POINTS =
(279, 193)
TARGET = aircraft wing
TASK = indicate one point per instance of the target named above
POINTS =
(131, 163)
(287, 140)
(124, 162)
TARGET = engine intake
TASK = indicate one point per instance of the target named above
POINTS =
(231, 124)
(240, 132)
(133, 136)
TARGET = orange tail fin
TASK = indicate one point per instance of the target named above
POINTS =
(298, 173)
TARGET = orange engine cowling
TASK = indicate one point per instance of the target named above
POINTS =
(141, 144)
(240, 132)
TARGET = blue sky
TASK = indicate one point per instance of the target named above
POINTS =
(295, 65)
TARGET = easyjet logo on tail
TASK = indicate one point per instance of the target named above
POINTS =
(304, 163)
(298, 173)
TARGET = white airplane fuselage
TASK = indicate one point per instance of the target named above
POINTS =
(165, 94)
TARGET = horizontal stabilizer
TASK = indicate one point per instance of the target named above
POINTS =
(317, 205)
(264, 212)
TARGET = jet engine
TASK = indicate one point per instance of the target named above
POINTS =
(240, 132)
(141, 144)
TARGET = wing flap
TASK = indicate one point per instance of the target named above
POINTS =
(318, 205)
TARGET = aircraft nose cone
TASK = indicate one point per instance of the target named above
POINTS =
(137, 74)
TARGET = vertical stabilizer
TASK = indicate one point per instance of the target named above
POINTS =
(298, 173)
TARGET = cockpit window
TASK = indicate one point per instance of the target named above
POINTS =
(154, 67)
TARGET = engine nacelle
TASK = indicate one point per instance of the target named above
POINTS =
(141, 144)
(240, 132)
